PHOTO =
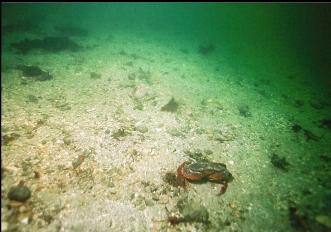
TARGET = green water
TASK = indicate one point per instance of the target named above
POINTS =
(102, 102)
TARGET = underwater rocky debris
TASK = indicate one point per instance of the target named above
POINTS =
(226, 134)
(141, 75)
(303, 218)
(299, 103)
(319, 104)
(206, 49)
(19, 27)
(177, 132)
(7, 138)
(48, 44)
(34, 72)
(325, 123)
(244, 111)
(183, 50)
(297, 221)
(310, 136)
(121, 132)
(199, 155)
(307, 133)
(296, 128)
(19, 193)
(191, 212)
(144, 75)
(171, 106)
(279, 162)
(213, 106)
(172, 179)
(70, 30)
(32, 98)
(94, 75)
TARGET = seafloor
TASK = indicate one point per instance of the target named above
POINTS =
(98, 154)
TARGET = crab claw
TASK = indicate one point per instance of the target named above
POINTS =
(224, 186)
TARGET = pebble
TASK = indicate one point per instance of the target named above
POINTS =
(164, 199)
(19, 193)
(142, 129)
(324, 220)
(4, 226)
(25, 220)
(149, 202)
(155, 197)
(90, 110)
(112, 190)
(67, 140)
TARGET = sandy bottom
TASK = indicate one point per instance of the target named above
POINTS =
(95, 149)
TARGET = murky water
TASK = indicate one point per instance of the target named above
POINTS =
(102, 103)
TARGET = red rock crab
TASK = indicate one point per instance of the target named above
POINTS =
(204, 170)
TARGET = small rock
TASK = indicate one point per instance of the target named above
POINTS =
(164, 199)
(78, 161)
(32, 98)
(142, 129)
(67, 140)
(19, 193)
(149, 202)
(244, 111)
(195, 212)
(111, 184)
(4, 226)
(324, 220)
(171, 179)
(25, 220)
(225, 134)
(155, 197)
(279, 162)
(7, 138)
(120, 133)
(175, 132)
(171, 106)
(94, 75)
(112, 190)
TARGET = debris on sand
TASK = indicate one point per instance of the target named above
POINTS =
(191, 212)
(325, 123)
(324, 220)
(32, 98)
(94, 75)
(244, 111)
(19, 193)
(48, 44)
(171, 106)
(7, 138)
(206, 49)
(70, 30)
(298, 220)
(296, 128)
(121, 132)
(279, 162)
(34, 72)
(172, 179)
(19, 27)
(307, 133)
(310, 136)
